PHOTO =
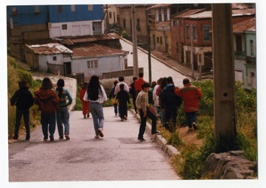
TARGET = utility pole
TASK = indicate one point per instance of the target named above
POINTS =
(224, 77)
(134, 41)
(149, 53)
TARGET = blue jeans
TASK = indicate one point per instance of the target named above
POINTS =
(26, 117)
(97, 115)
(62, 116)
(190, 118)
(48, 120)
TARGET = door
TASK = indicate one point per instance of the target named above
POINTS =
(67, 68)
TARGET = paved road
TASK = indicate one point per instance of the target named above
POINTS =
(118, 156)
(158, 69)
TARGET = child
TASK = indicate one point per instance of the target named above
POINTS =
(112, 97)
(23, 100)
(85, 104)
(123, 98)
(142, 104)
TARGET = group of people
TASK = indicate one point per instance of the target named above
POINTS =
(53, 105)
(159, 100)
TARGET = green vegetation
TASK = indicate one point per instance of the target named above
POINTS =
(192, 159)
(15, 73)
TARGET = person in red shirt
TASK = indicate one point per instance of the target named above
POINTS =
(191, 96)
(138, 83)
(85, 104)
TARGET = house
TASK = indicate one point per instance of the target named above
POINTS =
(245, 52)
(75, 20)
(95, 59)
(197, 40)
(141, 20)
(52, 57)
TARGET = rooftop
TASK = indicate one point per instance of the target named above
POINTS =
(50, 48)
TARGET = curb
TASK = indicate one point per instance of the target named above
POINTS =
(159, 140)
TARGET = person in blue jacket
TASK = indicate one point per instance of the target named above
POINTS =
(62, 113)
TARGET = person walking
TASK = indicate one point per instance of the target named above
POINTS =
(97, 96)
(23, 99)
(62, 114)
(170, 102)
(113, 98)
(121, 80)
(191, 96)
(132, 91)
(158, 91)
(122, 98)
(47, 100)
(142, 104)
(85, 104)
(138, 83)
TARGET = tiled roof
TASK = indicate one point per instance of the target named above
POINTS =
(247, 25)
(50, 48)
(187, 13)
(95, 50)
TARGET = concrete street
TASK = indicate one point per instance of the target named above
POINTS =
(116, 156)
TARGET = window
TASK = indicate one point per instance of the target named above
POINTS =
(177, 48)
(165, 14)
(124, 23)
(138, 24)
(194, 32)
(73, 8)
(158, 40)
(97, 26)
(187, 32)
(251, 48)
(93, 64)
(90, 7)
(60, 8)
(160, 15)
(110, 15)
(54, 58)
(180, 23)
(161, 40)
(206, 32)
(64, 26)
(36, 9)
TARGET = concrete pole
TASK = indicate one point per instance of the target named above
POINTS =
(224, 75)
(149, 53)
(191, 51)
(134, 41)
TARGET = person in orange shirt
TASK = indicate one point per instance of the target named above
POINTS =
(85, 104)
(191, 96)
(138, 83)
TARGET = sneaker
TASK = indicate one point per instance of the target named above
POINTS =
(190, 129)
(15, 137)
(156, 132)
(125, 117)
(194, 126)
(61, 137)
(67, 136)
(100, 132)
(141, 139)
(88, 115)
(27, 138)
(97, 137)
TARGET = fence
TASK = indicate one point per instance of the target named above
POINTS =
(116, 74)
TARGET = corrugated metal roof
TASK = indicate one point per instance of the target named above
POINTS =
(187, 13)
(89, 38)
(95, 50)
(208, 14)
(159, 6)
(50, 48)
(247, 25)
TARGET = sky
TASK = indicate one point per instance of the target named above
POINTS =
(261, 31)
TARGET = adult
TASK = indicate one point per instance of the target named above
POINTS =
(132, 91)
(122, 98)
(138, 83)
(191, 96)
(142, 104)
(23, 100)
(113, 98)
(170, 102)
(62, 114)
(121, 80)
(97, 96)
(85, 104)
(47, 100)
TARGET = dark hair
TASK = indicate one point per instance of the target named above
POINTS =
(145, 85)
(135, 78)
(85, 85)
(94, 88)
(115, 82)
(121, 87)
(60, 83)
(46, 84)
(22, 84)
(141, 74)
(186, 81)
(153, 84)
(163, 82)
(121, 78)
(169, 79)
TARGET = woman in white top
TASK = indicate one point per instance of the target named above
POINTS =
(97, 96)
